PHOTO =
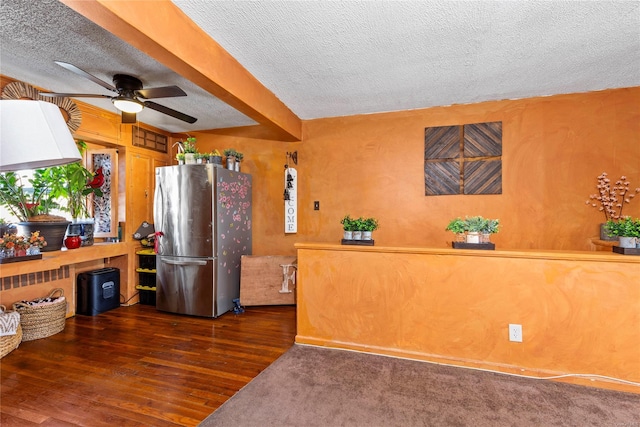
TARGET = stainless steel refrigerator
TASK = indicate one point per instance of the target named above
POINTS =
(202, 217)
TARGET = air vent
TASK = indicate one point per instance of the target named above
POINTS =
(150, 140)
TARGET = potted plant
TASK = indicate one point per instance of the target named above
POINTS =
(180, 158)
(348, 227)
(239, 156)
(190, 150)
(230, 155)
(626, 229)
(370, 225)
(610, 200)
(491, 226)
(474, 226)
(215, 157)
(457, 226)
(200, 157)
(75, 183)
(358, 227)
(30, 204)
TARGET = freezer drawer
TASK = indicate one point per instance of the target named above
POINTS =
(186, 285)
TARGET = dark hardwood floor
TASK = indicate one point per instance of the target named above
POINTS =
(136, 366)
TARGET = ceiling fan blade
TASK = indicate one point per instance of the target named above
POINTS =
(168, 111)
(128, 118)
(73, 95)
(161, 92)
(86, 75)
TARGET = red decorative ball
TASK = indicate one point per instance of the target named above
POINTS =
(73, 242)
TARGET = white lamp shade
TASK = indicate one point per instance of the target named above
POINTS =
(33, 134)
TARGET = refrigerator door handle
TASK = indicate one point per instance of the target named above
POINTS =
(183, 262)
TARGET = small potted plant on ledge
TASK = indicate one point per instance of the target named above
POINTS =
(348, 227)
(491, 226)
(473, 232)
(626, 229)
(474, 226)
(180, 158)
(457, 227)
(370, 225)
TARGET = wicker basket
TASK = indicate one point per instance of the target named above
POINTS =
(9, 343)
(42, 321)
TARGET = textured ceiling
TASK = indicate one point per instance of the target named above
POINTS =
(337, 58)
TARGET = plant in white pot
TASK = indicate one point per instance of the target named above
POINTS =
(474, 226)
(370, 225)
(348, 227)
(626, 229)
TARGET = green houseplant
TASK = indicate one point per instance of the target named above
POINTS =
(30, 202)
(348, 226)
(457, 227)
(230, 155)
(369, 225)
(189, 149)
(473, 229)
(626, 229)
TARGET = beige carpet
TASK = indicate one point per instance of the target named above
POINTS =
(310, 386)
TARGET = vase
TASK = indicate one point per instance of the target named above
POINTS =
(189, 158)
(216, 160)
(473, 237)
(603, 233)
(52, 231)
(367, 235)
(73, 242)
(627, 242)
(357, 235)
(231, 163)
(237, 165)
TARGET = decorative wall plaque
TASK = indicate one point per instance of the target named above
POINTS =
(464, 159)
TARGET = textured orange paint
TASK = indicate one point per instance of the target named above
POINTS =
(580, 311)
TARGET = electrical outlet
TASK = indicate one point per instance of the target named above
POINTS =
(515, 332)
(316, 205)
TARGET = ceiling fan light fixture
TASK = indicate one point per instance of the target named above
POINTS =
(127, 105)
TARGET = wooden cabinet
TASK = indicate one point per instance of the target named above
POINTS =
(98, 125)
(140, 187)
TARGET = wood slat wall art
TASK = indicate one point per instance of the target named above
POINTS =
(464, 159)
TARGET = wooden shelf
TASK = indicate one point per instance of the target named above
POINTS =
(56, 259)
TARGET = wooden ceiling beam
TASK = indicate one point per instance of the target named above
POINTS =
(162, 31)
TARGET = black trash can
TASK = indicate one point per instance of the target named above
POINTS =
(98, 291)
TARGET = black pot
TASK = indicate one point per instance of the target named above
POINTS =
(53, 232)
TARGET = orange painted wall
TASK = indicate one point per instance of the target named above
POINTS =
(580, 312)
(372, 165)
